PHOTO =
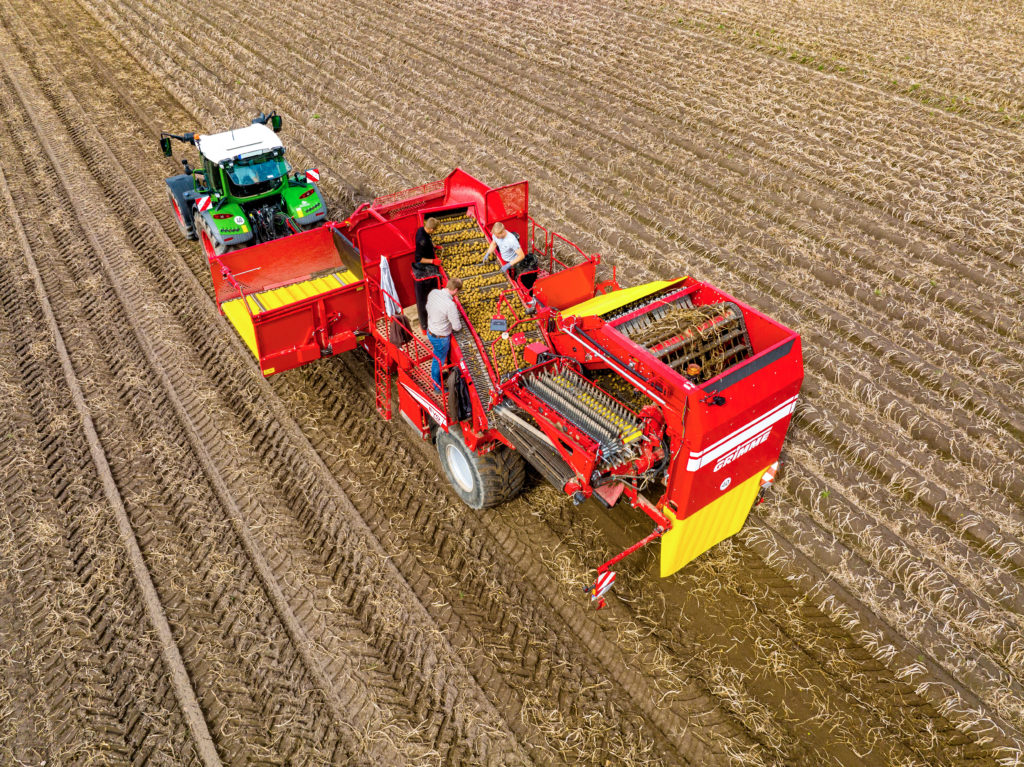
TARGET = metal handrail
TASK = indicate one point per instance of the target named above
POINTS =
(574, 245)
(423, 351)
(549, 246)
(227, 275)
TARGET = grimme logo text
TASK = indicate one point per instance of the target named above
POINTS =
(746, 447)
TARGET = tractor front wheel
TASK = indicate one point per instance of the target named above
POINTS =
(210, 246)
(480, 481)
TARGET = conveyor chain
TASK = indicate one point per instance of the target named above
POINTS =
(533, 446)
(712, 336)
(659, 310)
(474, 364)
(609, 423)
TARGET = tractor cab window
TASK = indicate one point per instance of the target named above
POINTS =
(256, 175)
(212, 175)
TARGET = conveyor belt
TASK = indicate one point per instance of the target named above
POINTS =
(534, 446)
(614, 427)
(463, 247)
(474, 362)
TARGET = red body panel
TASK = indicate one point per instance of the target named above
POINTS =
(695, 441)
(306, 330)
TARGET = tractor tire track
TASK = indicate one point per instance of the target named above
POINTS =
(359, 694)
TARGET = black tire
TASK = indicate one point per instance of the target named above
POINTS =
(219, 249)
(179, 218)
(481, 481)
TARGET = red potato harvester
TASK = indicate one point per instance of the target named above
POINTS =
(671, 395)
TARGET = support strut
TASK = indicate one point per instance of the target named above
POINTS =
(606, 576)
(658, 532)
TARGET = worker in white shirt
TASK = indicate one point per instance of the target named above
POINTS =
(510, 255)
(442, 320)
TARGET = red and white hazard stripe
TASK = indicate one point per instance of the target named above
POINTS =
(601, 586)
(746, 432)
(203, 203)
(313, 175)
(769, 476)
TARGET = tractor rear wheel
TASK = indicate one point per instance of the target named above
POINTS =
(204, 235)
(480, 481)
(179, 217)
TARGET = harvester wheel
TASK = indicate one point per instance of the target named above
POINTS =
(179, 217)
(480, 480)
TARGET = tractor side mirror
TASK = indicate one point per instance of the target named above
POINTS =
(275, 122)
(165, 146)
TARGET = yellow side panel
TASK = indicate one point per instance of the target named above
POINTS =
(290, 294)
(609, 302)
(239, 317)
(691, 537)
(347, 276)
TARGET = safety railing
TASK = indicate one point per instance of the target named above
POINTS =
(415, 195)
(416, 350)
(574, 250)
(546, 247)
(227, 275)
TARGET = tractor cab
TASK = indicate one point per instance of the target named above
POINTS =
(256, 176)
(244, 163)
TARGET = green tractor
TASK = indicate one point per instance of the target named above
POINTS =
(242, 194)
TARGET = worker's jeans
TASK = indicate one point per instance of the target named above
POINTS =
(441, 347)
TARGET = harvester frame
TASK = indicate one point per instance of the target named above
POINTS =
(710, 445)
(671, 395)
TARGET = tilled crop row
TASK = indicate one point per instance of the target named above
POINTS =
(956, 301)
(161, 497)
(915, 62)
(881, 339)
(726, 155)
(204, 332)
(80, 679)
(483, 622)
(236, 606)
(885, 327)
(201, 332)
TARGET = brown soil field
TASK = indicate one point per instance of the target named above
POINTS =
(199, 566)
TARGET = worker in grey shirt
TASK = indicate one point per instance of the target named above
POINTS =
(442, 320)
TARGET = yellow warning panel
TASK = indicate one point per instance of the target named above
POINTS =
(609, 302)
(235, 311)
(720, 519)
